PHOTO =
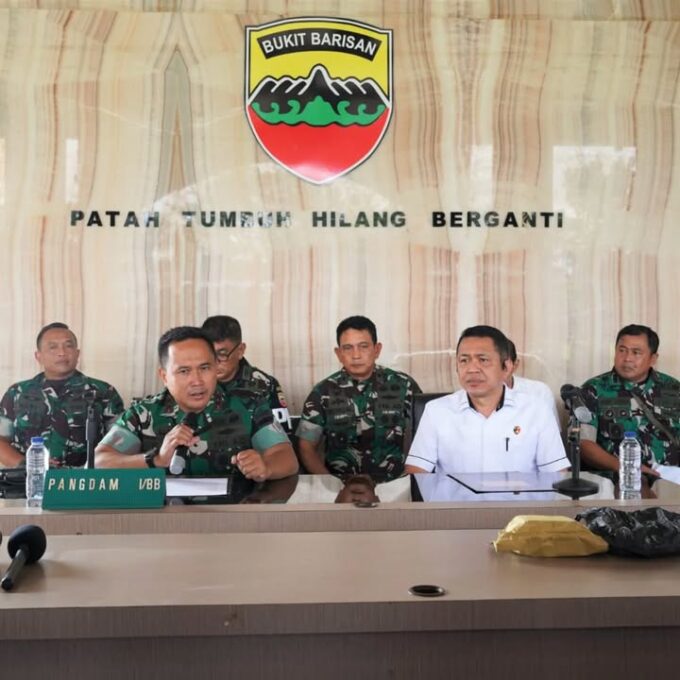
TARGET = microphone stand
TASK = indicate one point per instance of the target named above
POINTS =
(574, 486)
(91, 434)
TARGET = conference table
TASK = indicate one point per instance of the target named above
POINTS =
(206, 590)
(308, 503)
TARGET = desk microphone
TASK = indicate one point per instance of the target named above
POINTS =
(26, 545)
(581, 404)
(578, 401)
(179, 458)
(91, 429)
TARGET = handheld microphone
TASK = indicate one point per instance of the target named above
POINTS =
(179, 458)
(578, 402)
(26, 545)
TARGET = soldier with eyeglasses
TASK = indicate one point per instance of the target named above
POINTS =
(236, 375)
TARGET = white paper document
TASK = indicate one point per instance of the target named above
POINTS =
(668, 472)
(196, 486)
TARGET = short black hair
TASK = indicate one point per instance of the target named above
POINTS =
(638, 329)
(356, 323)
(499, 340)
(51, 326)
(512, 351)
(220, 328)
(179, 334)
(355, 478)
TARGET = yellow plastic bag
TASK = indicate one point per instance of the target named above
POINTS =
(548, 536)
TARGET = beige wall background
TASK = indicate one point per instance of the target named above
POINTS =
(555, 106)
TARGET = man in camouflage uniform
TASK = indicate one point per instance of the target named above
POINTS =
(361, 413)
(633, 396)
(215, 433)
(238, 377)
(54, 404)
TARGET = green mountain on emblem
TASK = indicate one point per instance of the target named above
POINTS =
(318, 100)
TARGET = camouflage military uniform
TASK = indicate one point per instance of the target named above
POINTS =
(57, 411)
(617, 412)
(363, 421)
(250, 381)
(227, 425)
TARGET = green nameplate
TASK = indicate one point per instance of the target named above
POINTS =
(80, 489)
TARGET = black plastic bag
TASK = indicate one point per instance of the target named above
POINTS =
(652, 532)
(13, 483)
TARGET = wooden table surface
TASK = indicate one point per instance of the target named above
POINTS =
(486, 512)
(304, 599)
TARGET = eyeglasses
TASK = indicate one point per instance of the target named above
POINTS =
(222, 354)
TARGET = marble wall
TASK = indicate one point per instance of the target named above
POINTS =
(561, 107)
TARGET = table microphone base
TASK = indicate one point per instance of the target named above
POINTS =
(576, 487)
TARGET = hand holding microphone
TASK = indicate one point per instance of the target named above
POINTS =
(183, 438)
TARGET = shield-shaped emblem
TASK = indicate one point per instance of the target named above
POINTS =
(318, 93)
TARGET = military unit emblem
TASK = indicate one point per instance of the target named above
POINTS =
(318, 93)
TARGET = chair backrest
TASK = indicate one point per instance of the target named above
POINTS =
(294, 422)
(419, 401)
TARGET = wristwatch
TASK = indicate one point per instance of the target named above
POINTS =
(148, 457)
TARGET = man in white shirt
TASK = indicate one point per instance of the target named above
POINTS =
(534, 388)
(486, 426)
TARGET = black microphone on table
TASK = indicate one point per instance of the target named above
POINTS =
(26, 545)
(578, 402)
(179, 458)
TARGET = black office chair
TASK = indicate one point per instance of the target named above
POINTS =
(419, 401)
(294, 421)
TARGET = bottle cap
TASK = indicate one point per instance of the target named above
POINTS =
(630, 435)
(37, 440)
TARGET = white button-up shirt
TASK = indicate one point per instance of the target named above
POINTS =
(538, 389)
(521, 436)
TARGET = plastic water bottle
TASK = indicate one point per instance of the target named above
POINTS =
(37, 462)
(630, 462)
